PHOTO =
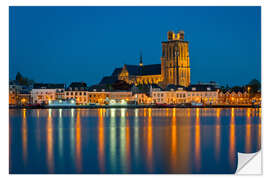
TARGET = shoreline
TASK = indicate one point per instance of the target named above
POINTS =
(132, 107)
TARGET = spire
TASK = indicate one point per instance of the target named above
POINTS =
(141, 63)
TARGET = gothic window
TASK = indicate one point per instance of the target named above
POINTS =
(163, 52)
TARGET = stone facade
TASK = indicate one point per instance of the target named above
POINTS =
(174, 68)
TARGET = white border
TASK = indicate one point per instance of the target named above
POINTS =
(4, 76)
(136, 2)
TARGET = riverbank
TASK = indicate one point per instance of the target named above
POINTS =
(132, 106)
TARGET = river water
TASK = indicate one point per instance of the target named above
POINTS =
(173, 140)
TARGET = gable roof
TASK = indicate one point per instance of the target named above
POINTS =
(108, 79)
(174, 87)
(78, 84)
(201, 87)
(48, 86)
(116, 71)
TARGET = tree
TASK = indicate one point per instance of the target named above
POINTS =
(254, 86)
(24, 81)
(19, 77)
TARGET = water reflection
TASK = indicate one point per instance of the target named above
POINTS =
(101, 141)
(24, 137)
(123, 141)
(60, 134)
(232, 152)
(78, 143)
(248, 131)
(120, 140)
(72, 138)
(113, 141)
(198, 140)
(149, 142)
(136, 136)
(174, 140)
(38, 129)
(50, 160)
(217, 134)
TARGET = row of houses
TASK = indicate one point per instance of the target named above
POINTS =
(79, 92)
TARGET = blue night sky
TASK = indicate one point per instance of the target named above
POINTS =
(65, 44)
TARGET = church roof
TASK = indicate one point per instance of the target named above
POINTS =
(133, 69)
(116, 71)
(152, 69)
(108, 79)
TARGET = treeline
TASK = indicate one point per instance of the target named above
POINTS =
(24, 81)
(253, 87)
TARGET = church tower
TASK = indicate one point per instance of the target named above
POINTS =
(175, 66)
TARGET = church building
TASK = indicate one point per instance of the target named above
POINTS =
(174, 68)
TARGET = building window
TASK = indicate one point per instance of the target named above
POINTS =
(163, 52)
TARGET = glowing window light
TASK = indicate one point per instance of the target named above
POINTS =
(123, 102)
(112, 102)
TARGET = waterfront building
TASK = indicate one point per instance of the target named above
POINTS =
(121, 95)
(18, 94)
(170, 95)
(77, 91)
(14, 90)
(43, 93)
(142, 98)
(256, 99)
(234, 96)
(98, 95)
(202, 93)
(174, 67)
(198, 93)
(24, 97)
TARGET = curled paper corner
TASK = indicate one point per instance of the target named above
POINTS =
(249, 164)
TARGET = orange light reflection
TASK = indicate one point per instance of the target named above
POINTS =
(197, 140)
(24, 137)
(50, 143)
(78, 143)
(101, 154)
(232, 138)
(149, 142)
